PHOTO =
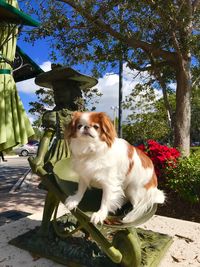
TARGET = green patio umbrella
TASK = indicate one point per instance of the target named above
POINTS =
(15, 127)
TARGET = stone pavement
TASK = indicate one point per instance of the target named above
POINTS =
(15, 203)
(184, 252)
(11, 171)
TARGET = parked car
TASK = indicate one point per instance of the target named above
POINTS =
(25, 150)
(33, 142)
(195, 143)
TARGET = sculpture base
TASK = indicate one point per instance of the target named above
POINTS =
(80, 251)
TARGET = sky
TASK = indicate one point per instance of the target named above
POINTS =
(108, 85)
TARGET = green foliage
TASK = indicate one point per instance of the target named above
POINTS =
(38, 133)
(159, 37)
(149, 127)
(185, 178)
(91, 98)
(148, 118)
(195, 120)
(45, 101)
(195, 149)
(78, 38)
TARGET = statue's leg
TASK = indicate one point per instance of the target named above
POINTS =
(50, 203)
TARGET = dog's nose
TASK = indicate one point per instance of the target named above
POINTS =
(86, 127)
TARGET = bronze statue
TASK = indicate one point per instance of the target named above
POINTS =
(120, 244)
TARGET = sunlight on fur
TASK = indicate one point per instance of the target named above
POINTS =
(102, 160)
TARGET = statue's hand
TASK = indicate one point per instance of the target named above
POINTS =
(35, 163)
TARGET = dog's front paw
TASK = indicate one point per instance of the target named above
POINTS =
(71, 202)
(98, 217)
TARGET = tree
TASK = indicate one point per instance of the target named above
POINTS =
(148, 118)
(157, 36)
(45, 101)
(195, 125)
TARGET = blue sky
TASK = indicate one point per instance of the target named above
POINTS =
(39, 55)
(39, 52)
(108, 84)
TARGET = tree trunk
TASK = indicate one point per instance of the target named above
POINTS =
(166, 101)
(183, 107)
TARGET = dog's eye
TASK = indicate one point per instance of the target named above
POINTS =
(96, 127)
(79, 126)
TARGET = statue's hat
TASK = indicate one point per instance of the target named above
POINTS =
(58, 72)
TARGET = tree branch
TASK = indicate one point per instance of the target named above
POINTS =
(195, 5)
(172, 21)
(147, 68)
(176, 45)
(106, 8)
(195, 81)
(131, 41)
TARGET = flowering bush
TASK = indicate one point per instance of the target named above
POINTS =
(181, 175)
(185, 178)
(161, 155)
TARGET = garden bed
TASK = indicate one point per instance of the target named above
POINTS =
(178, 208)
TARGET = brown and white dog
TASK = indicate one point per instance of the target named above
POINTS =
(104, 161)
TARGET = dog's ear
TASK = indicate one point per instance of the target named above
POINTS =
(70, 129)
(75, 117)
(108, 130)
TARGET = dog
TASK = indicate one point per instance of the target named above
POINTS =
(122, 171)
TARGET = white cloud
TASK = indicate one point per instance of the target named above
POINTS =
(31, 118)
(108, 85)
(173, 86)
(29, 86)
(46, 66)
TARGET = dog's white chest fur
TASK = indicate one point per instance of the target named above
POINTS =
(96, 164)
(120, 170)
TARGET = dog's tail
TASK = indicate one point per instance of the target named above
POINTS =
(152, 196)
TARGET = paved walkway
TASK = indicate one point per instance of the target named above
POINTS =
(184, 252)
(15, 203)
(11, 171)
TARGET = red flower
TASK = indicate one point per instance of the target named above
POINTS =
(142, 147)
(161, 155)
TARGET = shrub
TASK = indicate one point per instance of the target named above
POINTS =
(161, 155)
(185, 178)
(181, 175)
